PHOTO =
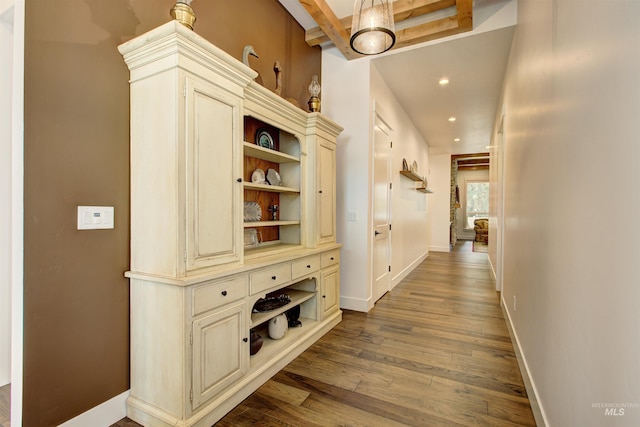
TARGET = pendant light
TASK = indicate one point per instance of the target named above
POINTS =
(372, 29)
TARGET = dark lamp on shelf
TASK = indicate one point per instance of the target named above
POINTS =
(314, 90)
(372, 27)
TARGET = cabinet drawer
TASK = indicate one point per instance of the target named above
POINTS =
(304, 266)
(269, 277)
(329, 258)
(218, 293)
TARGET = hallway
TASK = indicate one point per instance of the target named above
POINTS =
(435, 351)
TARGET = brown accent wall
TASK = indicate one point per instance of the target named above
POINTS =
(76, 299)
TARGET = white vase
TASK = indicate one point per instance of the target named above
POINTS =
(278, 327)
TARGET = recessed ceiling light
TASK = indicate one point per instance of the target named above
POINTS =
(443, 81)
(456, 140)
(452, 119)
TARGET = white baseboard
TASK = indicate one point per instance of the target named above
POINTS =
(103, 415)
(355, 304)
(405, 272)
(536, 408)
(440, 248)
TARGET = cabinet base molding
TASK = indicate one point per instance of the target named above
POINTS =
(151, 416)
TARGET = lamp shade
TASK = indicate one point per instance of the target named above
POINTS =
(372, 28)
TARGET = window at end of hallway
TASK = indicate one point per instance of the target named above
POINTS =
(476, 202)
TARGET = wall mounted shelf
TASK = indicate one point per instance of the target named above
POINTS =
(411, 175)
(417, 178)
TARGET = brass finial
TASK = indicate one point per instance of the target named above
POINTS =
(183, 13)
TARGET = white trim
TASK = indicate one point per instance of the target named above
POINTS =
(440, 248)
(408, 269)
(16, 8)
(532, 392)
(6, 136)
(105, 414)
(356, 304)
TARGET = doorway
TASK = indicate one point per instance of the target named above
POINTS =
(381, 262)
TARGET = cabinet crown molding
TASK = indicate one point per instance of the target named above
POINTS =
(158, 47)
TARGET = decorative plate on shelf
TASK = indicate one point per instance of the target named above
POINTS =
(252, 212)
(414, 167)
(264, 139)
(258, 177)
(273, 177)
(405, 165)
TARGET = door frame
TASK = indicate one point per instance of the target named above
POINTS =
(379, 116)
(12, 33)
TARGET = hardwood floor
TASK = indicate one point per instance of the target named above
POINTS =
(434, 351)
(5, 405)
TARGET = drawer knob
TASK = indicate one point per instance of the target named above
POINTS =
(331, 258)
(324, 296)
(308, 266)
(239, 179)
(224, 293)
(273, 277)
(245, 339)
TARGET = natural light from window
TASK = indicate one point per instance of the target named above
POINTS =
(477, 201)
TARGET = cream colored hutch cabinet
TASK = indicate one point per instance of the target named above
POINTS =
(209, 237)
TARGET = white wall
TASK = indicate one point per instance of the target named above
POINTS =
(410, 222)
(350, 89)
(345, 99)
(440, 183)
(572, 156)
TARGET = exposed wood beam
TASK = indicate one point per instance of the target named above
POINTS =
(402, 10)
(473, 168)
(465, 14)
(337, 30)
(468, 156)
(473, 162)
(330, 24)
(427, 31)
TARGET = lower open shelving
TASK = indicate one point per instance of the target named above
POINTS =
(296, 296)
(271, 347)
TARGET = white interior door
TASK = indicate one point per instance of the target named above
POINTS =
(381, 211)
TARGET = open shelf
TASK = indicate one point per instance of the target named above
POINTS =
(271, 347)
(424, 190)
(411, 175)
(258, 152)
(296, 296)
(269, 188)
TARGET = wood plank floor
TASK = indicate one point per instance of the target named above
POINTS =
(434, 351)
(5, 405)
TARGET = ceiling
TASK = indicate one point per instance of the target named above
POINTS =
(474, 64)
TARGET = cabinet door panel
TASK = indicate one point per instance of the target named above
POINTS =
(330, 289)
(326, 192)
(220, 355)
(212, 190)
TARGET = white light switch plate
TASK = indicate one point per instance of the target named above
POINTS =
(95, 217)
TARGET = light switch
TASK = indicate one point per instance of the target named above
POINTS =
(352, 216)
(95, 217)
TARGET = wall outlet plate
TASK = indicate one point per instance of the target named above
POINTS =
(95, 217)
